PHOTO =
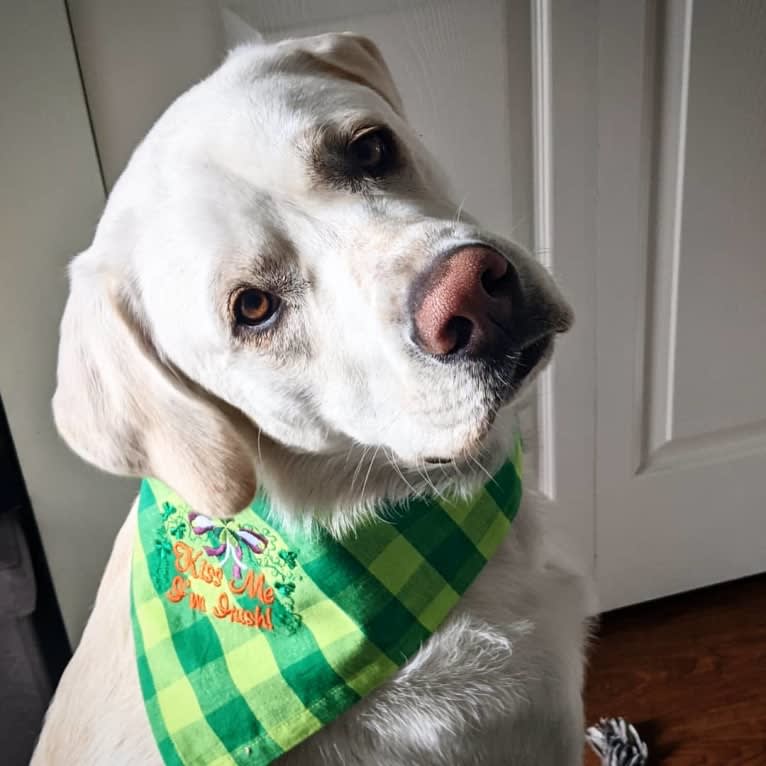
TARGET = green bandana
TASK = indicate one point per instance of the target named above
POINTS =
(250, 638)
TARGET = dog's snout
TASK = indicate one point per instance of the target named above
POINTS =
(464, 303)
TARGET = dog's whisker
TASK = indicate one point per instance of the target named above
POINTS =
(390, 457)
(258, 446)
(427, 479)
(372, 462)
(483, 469)
(358, 469)
(460, 208)
(514, 226)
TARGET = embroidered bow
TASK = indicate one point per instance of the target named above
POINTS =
(228, 536)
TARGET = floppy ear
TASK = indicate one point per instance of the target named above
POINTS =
(122, 408)
(356, 58)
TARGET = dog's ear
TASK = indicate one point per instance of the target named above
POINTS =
(120, 406)
(352, 57)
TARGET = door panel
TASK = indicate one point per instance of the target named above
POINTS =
(720, 364)
(682, 297)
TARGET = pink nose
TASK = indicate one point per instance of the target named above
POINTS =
(464, 303)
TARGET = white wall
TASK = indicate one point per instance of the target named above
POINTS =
(50, 199)
(136, 57)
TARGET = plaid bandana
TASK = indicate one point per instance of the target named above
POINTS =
(250, 638)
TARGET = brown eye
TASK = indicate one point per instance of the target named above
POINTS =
(372, 152)
(254, 307)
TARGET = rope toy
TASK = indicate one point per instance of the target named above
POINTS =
(617, 743)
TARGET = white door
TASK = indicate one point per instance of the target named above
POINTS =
(681, 286)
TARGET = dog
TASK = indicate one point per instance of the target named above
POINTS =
(279, 295)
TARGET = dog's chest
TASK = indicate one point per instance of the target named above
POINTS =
(503, 657)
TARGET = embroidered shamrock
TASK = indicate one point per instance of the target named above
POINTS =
(172, 524)
(285, 588)
(289, 557)
(229, 537)
(289, 621)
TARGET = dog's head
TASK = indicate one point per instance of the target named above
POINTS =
(280, 265)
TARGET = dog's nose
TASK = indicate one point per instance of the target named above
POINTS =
(464, 303)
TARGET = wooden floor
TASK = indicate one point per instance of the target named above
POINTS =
(690, 673)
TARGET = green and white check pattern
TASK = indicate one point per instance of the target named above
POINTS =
(221, 693)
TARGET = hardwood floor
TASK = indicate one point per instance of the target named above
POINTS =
(690, 672)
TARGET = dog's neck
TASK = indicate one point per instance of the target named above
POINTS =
(342, 490)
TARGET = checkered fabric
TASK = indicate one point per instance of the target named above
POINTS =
(251, 637)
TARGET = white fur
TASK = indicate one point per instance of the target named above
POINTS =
(331, 411)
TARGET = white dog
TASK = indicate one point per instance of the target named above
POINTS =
(279, 296)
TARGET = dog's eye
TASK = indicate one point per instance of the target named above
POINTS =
(372, 152)
(254, 307)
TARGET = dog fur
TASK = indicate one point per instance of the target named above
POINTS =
(330, 409)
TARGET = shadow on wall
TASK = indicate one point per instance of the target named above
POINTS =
(33, 644)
